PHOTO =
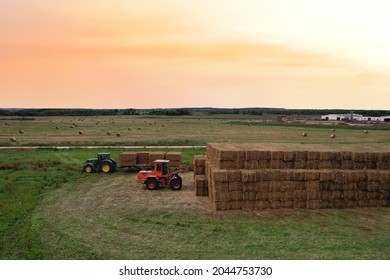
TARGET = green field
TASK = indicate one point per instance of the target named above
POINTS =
(50, 210)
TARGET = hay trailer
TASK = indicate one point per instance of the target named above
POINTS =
(160, 176)
(103, 163)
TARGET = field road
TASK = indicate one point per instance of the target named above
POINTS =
(99, 147)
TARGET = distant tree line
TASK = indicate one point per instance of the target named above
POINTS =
(169, 112)
(68, 112)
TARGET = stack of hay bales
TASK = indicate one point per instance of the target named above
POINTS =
(201, 182)
(304, 177)
(143, 158)
(128, 159)
(175, 158)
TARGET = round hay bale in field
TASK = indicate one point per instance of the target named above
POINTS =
(108, 133)
(304, 134)
(12, 139)
(57, 127)
(81, 133)
(71, 126)
(150, 123)
(118, 135)
(129, 129)
(139, 128)
(333, 130)
(365, 132)
(163, 125)
(6, 123)
(21, 131)
(332, 136)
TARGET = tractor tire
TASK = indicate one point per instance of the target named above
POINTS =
(88, 168)
(151, 184)
(106, 167)
(176, 184)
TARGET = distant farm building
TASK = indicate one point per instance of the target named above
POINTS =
(354, 117)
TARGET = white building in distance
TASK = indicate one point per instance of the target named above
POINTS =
(354, 117)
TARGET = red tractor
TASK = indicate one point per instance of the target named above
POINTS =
(161, 176)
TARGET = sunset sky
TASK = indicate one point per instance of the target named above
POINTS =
(175, 53)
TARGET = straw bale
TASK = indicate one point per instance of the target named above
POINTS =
(262, 195)
(362, 203)
(262, 186)
(274, 175)
(275, 204)
(286, 175)
(358, 165)
(350, 177)
(311, 175)
(277, 155)
(349, 186)
(349, 194)
(300, 204)
(248, 205)
(199, 170)
(350, 203)
(276, 164)
(251, 164)
(357, 156)
(325, 195)
(384, 202)
(263, 175)
(337, 194)
(236, 205)
(219, 194)
(288, 196)
(288, 186)
(252, 155)
(301, 156)
(263, 205)
(300, 195)
(362, 186)
(288, 164)
(275, 196)
(325, 204)
(300, 164)
(373, 203)
(275, 186)
(325, 156)
(249, 195)
(235, 186)
(313, 164)
(174, 163)
(199, 160)
(313, 204)
(289, 204)
(373, 195)
(263, 164)
(300, 186)
(361, 195)
(235, 196)
(325, 186)
(221, 205)
(339, 203)
(312, 186)
(221, 175)
(143, 158)
(248, 187)
(326, 176)
(373, 186)
(299, 175)
(289, 156)
(248, 176)
(313, 156)
(325, 164)
(155, 156)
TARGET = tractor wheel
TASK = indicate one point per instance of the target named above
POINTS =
(106, 167)
(176, 184)
(88, 168)
(151, 184)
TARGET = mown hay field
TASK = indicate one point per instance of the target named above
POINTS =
(193, 130)
(50, 210)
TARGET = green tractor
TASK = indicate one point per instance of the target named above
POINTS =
(103, 163)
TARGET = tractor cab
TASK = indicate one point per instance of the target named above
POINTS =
(103, 156)
(161, 167)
